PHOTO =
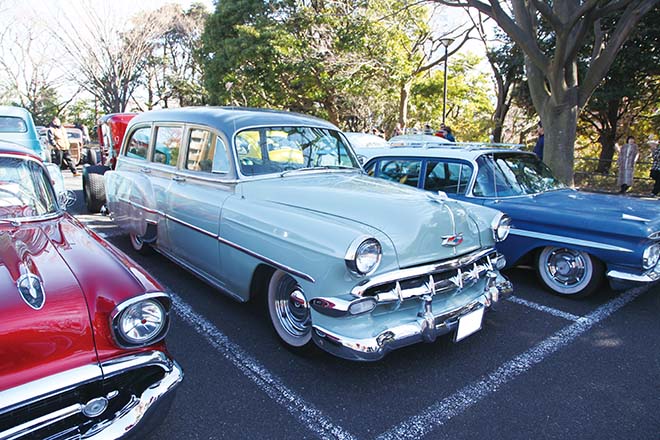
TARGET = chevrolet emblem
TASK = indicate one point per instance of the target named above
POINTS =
(452, 240)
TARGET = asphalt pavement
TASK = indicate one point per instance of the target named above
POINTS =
(542, 367)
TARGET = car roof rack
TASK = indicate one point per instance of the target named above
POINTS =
(459, 145)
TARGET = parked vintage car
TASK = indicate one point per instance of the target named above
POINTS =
(17, 126)
(111, 129)
(573, 238)
(273, 206)
(81, 336)
(364, 140)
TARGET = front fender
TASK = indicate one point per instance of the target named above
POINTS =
(308, 242)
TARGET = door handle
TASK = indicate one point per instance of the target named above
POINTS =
(179, 179)
(145, 170)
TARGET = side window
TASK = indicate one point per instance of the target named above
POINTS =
(168, 145)
(200, 150)
(449, 177)
(206, 152)
(138, 145)
(404, 171)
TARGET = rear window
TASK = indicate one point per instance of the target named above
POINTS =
(12, 124)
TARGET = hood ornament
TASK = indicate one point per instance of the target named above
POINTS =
(31, 290)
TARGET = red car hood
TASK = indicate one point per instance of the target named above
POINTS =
(83, 278)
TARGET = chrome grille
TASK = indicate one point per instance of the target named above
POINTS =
(445, 280)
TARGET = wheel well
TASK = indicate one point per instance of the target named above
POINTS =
(260, 279)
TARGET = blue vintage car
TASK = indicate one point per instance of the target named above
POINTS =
(274, 207)
(17, 126)
(574, 239)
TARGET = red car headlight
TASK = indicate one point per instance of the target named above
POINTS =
(141, 321)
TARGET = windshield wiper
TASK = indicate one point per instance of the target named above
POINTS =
(12, 222)
(324, 167)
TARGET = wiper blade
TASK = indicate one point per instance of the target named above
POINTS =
(324, 167)
(12, 222)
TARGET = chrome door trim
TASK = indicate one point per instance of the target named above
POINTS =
(231, 244)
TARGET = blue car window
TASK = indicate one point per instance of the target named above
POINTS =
(449, 177)
(404, 171)
(513, 174)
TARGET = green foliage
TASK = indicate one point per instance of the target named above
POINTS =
(469, 104)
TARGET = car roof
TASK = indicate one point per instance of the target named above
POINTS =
(10, 110)
(231, 119)
(467, 152)
(12, 148)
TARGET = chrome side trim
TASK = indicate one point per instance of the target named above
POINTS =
(48, 386)
(132, 362)
(40, 422)
(233, 245)
(403, 274)
(568, 240)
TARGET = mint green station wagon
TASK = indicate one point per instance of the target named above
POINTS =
(273, 206)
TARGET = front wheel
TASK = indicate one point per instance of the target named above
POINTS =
(569, 272)
(289, 311)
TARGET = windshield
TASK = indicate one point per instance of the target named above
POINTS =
(279, 149)
(25, 189)
(513, 174)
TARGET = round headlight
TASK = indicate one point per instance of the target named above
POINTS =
(142, 322)
(651, 256)
(501, 227)
(364, 258)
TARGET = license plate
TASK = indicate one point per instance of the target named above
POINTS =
(469, 323)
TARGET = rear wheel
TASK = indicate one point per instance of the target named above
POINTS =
(569, 272)
(289, 311)
(139, 244)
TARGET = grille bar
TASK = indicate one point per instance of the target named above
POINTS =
(41, 422)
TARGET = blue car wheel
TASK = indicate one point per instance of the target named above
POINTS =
(569, 272)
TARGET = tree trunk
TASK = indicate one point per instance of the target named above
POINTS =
(560, 126)
(404, 97)
(608, 136)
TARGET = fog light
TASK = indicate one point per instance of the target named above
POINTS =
(95, 407)
(362, 306)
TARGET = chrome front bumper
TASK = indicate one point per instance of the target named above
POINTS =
(647, 277)
(425, 327)
(139, 415)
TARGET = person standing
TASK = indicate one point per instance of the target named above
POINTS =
(628, 155)
(540, 142)
(58, 140)
(655, 167)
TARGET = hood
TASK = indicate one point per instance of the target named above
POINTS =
(584, 210)
(416, 222)
(49, 330)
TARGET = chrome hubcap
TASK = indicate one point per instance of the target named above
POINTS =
(566, 267)
(292, 308)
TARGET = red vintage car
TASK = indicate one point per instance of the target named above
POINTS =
(82, 327)
(111, 129)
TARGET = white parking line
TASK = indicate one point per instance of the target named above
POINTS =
(542, 308)
(307, 414)
(444, 410)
